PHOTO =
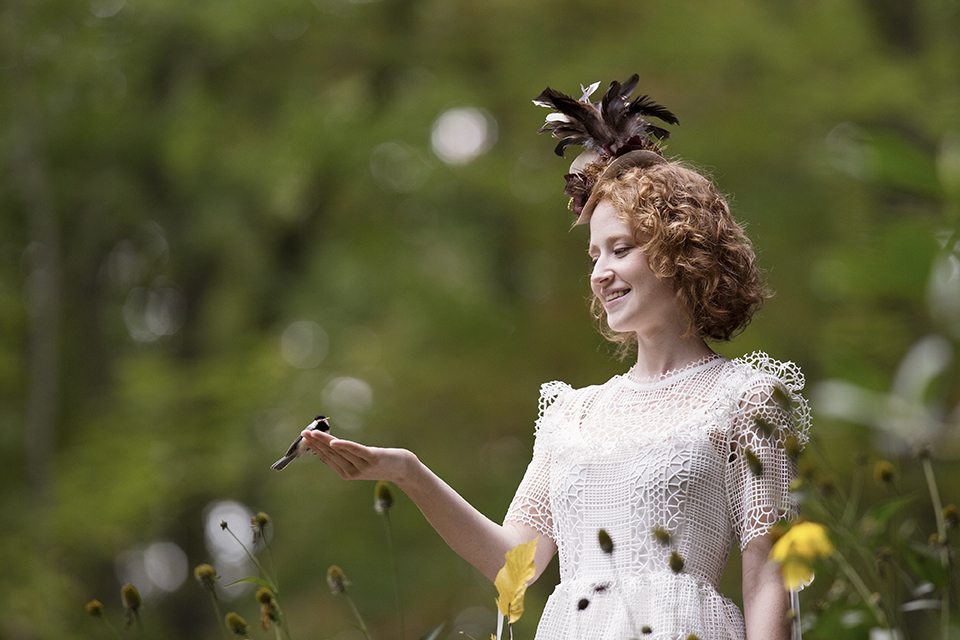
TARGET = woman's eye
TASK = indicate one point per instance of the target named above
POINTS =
(619, 251)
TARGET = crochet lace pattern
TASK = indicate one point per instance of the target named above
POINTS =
(676, 469)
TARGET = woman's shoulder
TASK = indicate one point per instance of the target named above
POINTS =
(760, 366)
(760, 383)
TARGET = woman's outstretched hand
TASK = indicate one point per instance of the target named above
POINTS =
(354, 461)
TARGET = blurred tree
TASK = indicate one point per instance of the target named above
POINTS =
(219, 218)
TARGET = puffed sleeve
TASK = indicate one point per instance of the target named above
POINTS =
(531, 504)
(769, 427)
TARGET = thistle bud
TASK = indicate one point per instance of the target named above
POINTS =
(131, 602)
(95, 608)
(791, 444)
(206, 575)
(259, 524)
(662, 535)
(236, 624)
(606, 543)
(756, 467)
(951, 516)
(676, 562)
(884, 472)
(764, 426)
(336, 580)
(382, 497)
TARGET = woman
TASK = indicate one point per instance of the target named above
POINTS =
(675, 460)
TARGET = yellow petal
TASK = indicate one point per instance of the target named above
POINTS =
(512, 579)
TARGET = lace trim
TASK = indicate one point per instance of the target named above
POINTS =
(670, 376)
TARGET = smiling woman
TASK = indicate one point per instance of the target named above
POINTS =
(674, 461)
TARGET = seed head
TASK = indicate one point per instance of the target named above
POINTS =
(259, 524)
(130, 597)
(662, 535)
(606, 543)
(206, 575)
(756, 467)
(382, 497)
(951, 516)
(676, 562)
(336, 580)
(95, 608)
(791, 444)
(131, 602)
(884, 472)
(269, 610)
(764, 426)
(236, 624)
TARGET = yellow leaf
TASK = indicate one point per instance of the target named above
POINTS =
(511, 582)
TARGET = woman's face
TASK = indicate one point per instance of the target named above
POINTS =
(634, 298)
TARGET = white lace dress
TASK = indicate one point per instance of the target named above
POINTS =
(675, 470)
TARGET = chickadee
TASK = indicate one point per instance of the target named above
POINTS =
(299, 446)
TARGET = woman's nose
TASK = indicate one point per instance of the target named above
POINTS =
(600, 272)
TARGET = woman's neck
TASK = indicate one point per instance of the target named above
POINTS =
(656, 356)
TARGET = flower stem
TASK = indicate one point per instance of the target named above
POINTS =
(396, 573)
(942, 540)
(861, 588)
(356, 613)
(216, 610)
(111, 627)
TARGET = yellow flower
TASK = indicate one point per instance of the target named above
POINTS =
(796, 550)
(512, 579)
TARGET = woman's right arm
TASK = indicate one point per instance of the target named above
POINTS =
(474, 537)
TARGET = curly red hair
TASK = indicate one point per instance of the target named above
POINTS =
(690, 239)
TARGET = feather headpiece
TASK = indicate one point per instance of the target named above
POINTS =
(608, 130)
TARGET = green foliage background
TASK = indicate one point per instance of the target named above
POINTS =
(228, 157)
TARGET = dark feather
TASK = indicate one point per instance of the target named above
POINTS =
(611, 127)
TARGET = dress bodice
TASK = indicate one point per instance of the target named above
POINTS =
(676, 470)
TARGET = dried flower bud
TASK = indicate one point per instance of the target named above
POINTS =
(95, 608)
(764, 426)
(131, 602)
(223, 525)
(662, 535)
(756, 467)
(130, 597)
(583, 604)
(382, 497)
(951, 516)
(236, 624)
(269, 610)
(645, 630)
(206, 575)
(336, 580)
(884, 472)
(783, 399)
(791, 444)
(259, 524)
(676, 562)
(606, 543)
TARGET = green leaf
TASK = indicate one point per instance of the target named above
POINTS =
(257, 581)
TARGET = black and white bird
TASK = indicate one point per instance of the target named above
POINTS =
(299, 446)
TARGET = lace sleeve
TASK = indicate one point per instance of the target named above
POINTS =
(768, 430)
(531, 504)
